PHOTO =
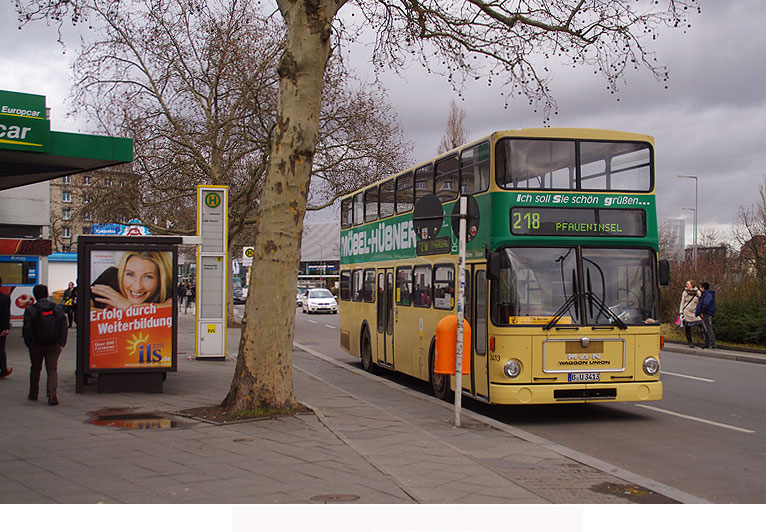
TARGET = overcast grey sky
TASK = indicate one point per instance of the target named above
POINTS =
(710, 122)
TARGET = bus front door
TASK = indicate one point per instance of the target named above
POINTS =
(385, 307)
(476, 304)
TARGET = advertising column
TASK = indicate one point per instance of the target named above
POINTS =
(212, 278)
(127, 307)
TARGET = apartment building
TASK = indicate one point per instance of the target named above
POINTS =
(74, 206)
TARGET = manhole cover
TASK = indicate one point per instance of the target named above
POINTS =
(124, 418)
(335, 497)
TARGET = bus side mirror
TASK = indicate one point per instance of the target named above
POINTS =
(664, 273)
(493, 265)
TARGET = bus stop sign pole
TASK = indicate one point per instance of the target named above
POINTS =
(463, 206)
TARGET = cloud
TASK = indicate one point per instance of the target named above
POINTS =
(710, 122)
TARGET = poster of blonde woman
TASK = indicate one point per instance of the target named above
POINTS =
(131, 309)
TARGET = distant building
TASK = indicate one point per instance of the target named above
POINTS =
(672, 238)
(320, 255)
(708, 253)
(72, 208)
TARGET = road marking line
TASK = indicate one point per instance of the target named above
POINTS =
(687, 376)
(692, 418)
(312, 321)
(330, 326)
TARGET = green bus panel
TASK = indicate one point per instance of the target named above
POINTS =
(394, 238)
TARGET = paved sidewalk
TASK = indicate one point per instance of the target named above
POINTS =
(370, 440)
(726, 354)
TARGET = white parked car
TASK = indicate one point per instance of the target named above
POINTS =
(320, 300)
(300, 296)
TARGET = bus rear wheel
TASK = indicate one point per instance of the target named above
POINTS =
(367, 363)
(439, 384)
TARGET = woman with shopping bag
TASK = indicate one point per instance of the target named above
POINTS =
(686, 318)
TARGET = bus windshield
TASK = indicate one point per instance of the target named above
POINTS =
(593, 286)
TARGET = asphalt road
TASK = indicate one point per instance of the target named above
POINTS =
(706, 437)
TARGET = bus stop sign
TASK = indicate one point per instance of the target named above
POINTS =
(472, 222)
(428, 217)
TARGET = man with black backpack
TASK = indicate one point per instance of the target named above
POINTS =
(45, 334)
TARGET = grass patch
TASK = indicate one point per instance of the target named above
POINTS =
(676, 334)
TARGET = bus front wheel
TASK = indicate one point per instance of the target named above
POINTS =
(440, 384)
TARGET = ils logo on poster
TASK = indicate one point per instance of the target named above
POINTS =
(139, 346)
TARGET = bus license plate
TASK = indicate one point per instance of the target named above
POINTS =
(584, 377)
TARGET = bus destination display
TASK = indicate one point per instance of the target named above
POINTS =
(546, 221)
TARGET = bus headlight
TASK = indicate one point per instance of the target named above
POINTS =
(651, 366)
(512, 368)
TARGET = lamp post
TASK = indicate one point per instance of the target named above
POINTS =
(696, 197)
(694, 246)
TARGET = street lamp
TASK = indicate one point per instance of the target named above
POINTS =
(696, 196)
(694, 247)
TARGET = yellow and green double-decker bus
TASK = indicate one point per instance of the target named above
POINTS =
(562, 270)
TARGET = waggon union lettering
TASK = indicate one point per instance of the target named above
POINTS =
(383, 238)
(583, 359)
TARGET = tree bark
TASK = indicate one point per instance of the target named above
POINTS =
(263, 376)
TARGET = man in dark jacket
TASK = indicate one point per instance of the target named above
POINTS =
(45, 334)
(5, 328)
(706, 311)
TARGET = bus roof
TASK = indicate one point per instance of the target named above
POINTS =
(537, 132)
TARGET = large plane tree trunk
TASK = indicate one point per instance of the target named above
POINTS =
(263, 376)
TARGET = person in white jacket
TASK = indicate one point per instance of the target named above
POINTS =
(689, 299)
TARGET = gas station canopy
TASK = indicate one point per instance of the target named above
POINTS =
(31, 152)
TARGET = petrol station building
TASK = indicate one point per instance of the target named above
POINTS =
(31, 155)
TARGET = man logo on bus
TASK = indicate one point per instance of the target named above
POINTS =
(212, 200)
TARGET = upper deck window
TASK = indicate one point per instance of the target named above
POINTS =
(474, 169)
(536, 164)
(404, 193)
(346, 214)
(447, 179)
(424, 181)
(540, 164)
(371, 204)
(625, 166)
(358, 209)
(387, 199)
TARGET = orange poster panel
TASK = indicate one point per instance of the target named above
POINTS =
(135, 337)
(131, 310)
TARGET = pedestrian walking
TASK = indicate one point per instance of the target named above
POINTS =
(706, 311)
(5, 328)
(70, 302)
(689, 299)
(45, 334)
(181, 293)
(191, 292)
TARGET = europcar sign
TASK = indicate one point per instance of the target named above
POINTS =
(23, 122)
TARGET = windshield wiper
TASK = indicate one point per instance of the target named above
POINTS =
(613, 318)
(561, 311)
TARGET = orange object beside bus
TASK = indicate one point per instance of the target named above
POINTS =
(446, 346)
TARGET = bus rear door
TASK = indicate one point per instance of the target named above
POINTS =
(385, 318)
